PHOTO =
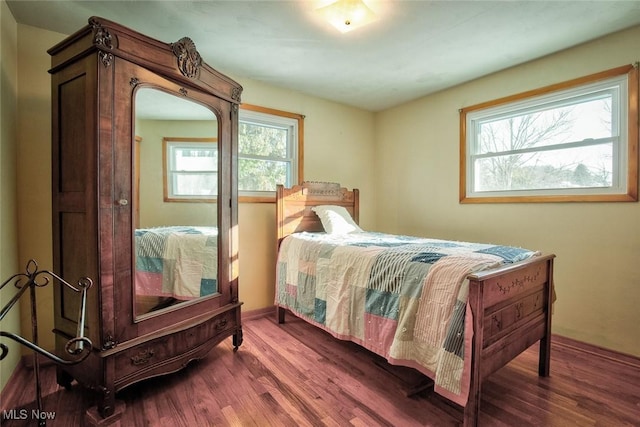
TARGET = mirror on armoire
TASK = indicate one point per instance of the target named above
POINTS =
(175, 182)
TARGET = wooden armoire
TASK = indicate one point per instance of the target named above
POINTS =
(112, 87)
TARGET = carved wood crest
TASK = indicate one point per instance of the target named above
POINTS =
(189, 60)
(235, 94)
(102, 37)
(318, 189)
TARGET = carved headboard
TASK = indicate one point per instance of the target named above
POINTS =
(293, 205)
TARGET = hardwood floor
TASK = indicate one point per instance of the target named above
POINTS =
(297, 375)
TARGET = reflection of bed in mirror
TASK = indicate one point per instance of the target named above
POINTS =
(174, 264)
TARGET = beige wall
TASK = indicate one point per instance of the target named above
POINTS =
(34, 168)
(8, 219)
(597, 244)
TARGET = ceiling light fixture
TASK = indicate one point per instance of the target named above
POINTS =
(347, 15)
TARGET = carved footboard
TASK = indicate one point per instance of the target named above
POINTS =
(511, 309)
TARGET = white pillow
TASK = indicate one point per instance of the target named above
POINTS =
(336, 219)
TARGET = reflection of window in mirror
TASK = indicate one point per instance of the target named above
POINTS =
(270, 151)
(190, 169)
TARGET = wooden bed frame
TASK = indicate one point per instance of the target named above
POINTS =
(511, 305)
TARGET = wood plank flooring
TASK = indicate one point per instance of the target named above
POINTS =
(297, 375)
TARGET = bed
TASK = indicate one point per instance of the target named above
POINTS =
(455, 311)
(178, 262)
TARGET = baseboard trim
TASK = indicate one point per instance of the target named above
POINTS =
(28, 362)
(258, 313)
(594, 350)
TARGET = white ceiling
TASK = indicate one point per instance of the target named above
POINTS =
(413, 49)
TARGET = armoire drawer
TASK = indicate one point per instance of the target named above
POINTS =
(148, 355)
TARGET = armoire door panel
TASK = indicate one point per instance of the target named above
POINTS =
(74, 257)
(76, 244)
(72, 135)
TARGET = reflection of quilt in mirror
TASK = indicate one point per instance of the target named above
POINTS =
(178, 261)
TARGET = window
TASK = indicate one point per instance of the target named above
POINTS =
(575, 141)
(191, 169)
(269, 151)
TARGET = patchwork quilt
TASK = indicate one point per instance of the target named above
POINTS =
(177, 261)
(402, 297)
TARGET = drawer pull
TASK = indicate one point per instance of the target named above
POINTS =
(221, 324)
(519, 310)
(143, 357)
(497, 322)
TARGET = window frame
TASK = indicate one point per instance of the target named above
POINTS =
(166, 142)
(297, 168)
(529, 196)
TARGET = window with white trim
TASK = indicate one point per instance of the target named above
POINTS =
(269, 148)
(191, 169)
(571, 142)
